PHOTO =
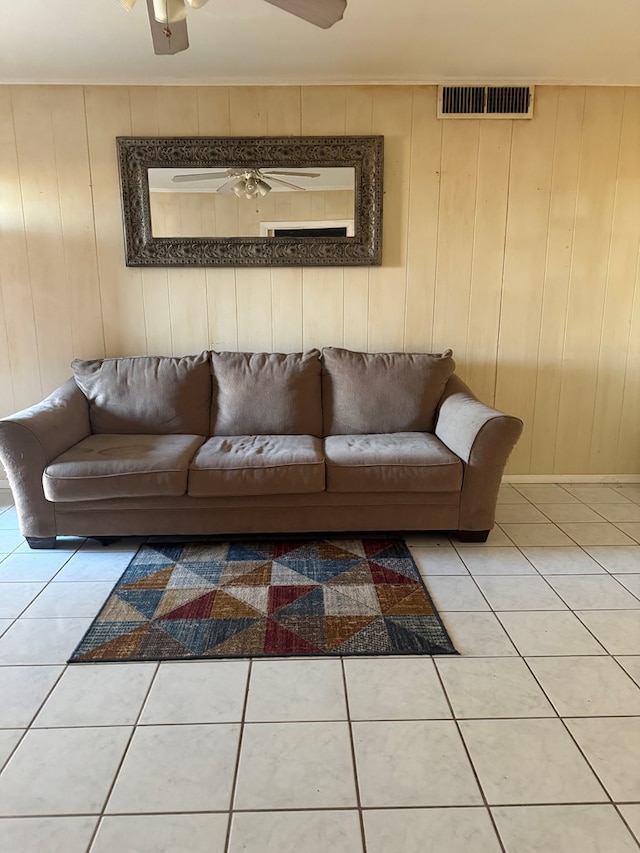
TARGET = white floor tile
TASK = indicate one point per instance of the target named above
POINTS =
(197, 692)
(92, 566)
(508, 495)
(162, 833)
(492, 687)
(602, 533)
(617, 630)
(8, 741)
(593, 592)
(630, 664)
(478, 634)
(536, 534)
(529, 761)
(438, 561)
(62, 771)
(296, 691)
(618, 511)
(570, 512)
(295, 832)
(617, 559)
(452, 830)
(543, 494)
(587, 686)
(612, 746)
(39, 641)
(9, 540)
(23, 689)
(4, 625)
(631, 813)
(177, 769)
(32, 566)
(392, 689)
(46, 834)
(549, 633)
(295, 766)
(596, 494)
(630, 582)
(630, 528)
(496, 561)
(562, 561)
(631, 491)
(524, 513)
(97, 695)
(9, 519)
(413, 764)
(15, 597)
(455, 592)
(69, 599)
(427, 540)
(560, 829)
(519, 593)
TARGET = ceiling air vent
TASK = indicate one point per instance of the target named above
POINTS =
(485, 101)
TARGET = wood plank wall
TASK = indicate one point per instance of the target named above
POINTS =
(514, 243)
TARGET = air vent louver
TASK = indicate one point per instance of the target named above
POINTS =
(485, 101)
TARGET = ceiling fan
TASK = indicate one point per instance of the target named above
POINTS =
(167, 18)
(246, 183)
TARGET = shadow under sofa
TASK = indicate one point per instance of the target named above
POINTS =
(228, 443)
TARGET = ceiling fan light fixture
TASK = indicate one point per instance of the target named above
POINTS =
(169, 11)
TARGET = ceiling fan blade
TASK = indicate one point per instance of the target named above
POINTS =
(227, 188)
(295, 174)
(279, 182)
(322, 13)
(164, 45)
(202, 176)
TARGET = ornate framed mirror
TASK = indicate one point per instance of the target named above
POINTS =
(254, 201)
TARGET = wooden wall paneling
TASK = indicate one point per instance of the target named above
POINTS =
(492, 188)
(324, 110)
(33, 121)
(422, 227)
(76, 214)
(322, 307)
(286, 299)
(108, 116)
(7, 398)
(253, 294)
(628, 446)
(247, 111)
(591, 248)
(392, 115)
(358, 122)
(524, 267)
(214, 110)
(456, 220)
(562, 214)
(619, 298)
(284, 110)
(21, 371)
(222, 309)
(155, 280)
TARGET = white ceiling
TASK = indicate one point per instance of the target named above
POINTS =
(378, 41)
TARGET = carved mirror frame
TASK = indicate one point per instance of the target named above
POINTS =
(136, 155)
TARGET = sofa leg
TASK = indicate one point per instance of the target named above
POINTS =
(472, 535)
(106, 540)
(41, 542)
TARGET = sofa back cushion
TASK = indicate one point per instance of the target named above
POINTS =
(266, 393)
(153, 395)
(382, 392)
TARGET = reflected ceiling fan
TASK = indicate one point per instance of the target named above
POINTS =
(246, 183)
(169, 26)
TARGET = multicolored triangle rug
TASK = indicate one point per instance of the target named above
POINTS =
(260, 599)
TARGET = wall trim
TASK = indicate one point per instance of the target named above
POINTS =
(571, 478)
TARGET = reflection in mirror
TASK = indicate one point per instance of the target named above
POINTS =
(260, 202)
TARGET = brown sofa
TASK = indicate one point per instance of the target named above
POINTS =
(252, 443)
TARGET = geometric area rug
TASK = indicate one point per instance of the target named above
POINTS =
(206, 599)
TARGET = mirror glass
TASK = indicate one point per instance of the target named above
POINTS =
(261, 202)
(252, 201)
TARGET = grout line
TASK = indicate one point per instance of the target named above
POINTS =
(353, 756)
(234, 784)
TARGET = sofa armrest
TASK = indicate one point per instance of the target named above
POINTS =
(30, 440)
(483, 438)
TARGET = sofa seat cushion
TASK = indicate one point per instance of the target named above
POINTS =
(117, 466)
(257, 465)
(391, 462)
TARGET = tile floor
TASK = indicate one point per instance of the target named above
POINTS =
(528, 741)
